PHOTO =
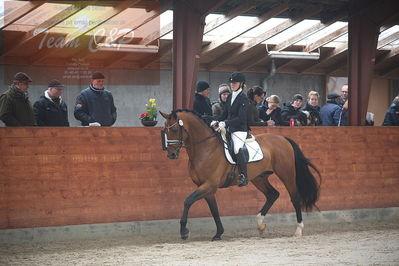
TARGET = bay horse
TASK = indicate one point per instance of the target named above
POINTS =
(209, 168)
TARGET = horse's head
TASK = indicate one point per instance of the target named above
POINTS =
(173, 135)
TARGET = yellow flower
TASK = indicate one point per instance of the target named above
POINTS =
(151, 111)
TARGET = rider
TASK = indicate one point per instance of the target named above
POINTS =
(235, 119)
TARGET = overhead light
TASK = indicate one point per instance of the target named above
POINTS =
(293, 55)
(137, 48)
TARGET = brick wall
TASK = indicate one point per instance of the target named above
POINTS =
(65, 176)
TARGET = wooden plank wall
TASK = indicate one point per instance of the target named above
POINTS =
(66, 176)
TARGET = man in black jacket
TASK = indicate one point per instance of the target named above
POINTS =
(235, 119)
(15, 108)
(202, 104)
(50, 109)
(293, 111)
(95, 105)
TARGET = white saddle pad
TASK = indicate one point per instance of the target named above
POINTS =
(254, 150)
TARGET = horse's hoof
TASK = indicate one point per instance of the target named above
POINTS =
(262, 227)
(215, 238)
(297, 235)
(184, 234)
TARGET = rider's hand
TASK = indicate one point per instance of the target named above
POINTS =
(214, 123)
(94, 124)
(222, 125)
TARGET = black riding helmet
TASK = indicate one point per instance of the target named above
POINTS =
(237, 77)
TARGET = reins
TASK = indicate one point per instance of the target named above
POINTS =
(180, 141)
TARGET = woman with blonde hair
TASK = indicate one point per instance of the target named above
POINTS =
(312, 109)
(271, 113)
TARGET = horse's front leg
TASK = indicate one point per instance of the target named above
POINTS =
(201, 192)
(210, 199)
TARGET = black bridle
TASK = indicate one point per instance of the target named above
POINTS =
(179, 142)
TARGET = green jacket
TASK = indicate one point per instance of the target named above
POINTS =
(16, 109)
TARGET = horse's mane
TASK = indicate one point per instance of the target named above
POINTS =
(200, 118)
(174, 115)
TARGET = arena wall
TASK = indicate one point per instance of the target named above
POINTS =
(69, 176)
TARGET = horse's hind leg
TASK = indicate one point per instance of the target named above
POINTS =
(210, 199)
(271, 194)
(296, 201)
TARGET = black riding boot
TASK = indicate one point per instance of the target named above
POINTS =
(242, 166)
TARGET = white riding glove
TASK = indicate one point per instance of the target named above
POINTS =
(214, 123)
(94, 124)
(222, 125)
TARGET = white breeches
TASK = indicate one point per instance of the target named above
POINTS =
(238, 139)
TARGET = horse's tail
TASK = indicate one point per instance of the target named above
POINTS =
(306, 183)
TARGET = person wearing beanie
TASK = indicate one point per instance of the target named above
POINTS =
(293, 111)
(218, 107)
(235, 119)
(50, 110)
(95, 105)
(202, 104)
(15, 107)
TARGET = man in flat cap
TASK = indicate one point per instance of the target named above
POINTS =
(331, 112)
(50, 110)
(15, 107)
(95, 105)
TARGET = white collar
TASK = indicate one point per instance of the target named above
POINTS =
(48, 96)
(235, 94)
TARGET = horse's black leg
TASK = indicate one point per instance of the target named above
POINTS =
(196, 195)
(213, 206)
(296, 201)
(271, 195)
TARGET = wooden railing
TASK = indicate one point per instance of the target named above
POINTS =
(65, 176)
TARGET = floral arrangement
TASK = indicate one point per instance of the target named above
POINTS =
(151, 111)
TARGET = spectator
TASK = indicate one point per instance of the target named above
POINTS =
(392, 115)
(271, 112)
(313, 109)
(218, 108)
(202, 104)
(293, 111)
(15, 107)
(345, 105)
(50, 110)
(255, 96)
(331, 112)
(95, 105)
(235, 116)
(344, 93)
